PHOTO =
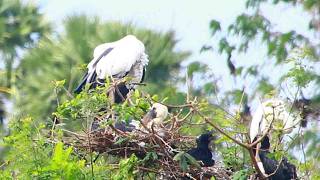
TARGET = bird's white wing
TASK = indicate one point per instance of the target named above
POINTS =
(98, 51)
(120, 60)
(96, 54)
(289, 121)
(257, 119)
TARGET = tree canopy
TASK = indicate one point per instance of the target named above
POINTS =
(50, 134)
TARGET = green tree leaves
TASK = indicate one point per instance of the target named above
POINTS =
(21, 25)
(61, 57)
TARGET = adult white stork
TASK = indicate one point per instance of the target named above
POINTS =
(123, 58)
(272, 111)
(268, 113)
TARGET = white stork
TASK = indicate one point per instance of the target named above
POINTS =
(273, 110)
(268, 113)
(123, 58)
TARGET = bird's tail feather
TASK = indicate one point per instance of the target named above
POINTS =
(93, 77)
(82, 84)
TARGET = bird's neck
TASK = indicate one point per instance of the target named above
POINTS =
(263, 154)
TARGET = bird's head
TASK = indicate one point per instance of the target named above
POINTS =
(265, 143)
(205, 139)
(157, 113)
(161, 112)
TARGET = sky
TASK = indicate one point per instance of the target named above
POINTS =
(188, 18)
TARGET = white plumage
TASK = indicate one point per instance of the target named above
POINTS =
(273, 110)
(125, 57)
(155, 117)
(125, 53)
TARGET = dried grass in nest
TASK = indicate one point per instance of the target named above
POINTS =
(121, 144)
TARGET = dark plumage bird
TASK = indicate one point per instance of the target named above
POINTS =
(117, 60)
(304, 106)
(245, 115)
(202, 152)
(286, 170)
(125, 127)
(231, 66)
(118, 124)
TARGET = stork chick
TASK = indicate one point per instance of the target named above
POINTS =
(155, 117)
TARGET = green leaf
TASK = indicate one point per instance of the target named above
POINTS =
(214, 26)
(192, 160)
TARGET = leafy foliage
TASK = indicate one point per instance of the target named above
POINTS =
(60, 58)
(28, 146)
(294, 56)
(21, 25)
(49, 71)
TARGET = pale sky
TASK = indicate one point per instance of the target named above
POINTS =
(188, 18)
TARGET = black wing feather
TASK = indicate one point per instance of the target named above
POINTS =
(82, 84)
(143, 75)
(94, 75)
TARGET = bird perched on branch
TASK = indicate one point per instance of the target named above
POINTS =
(202, 152)
(272, 111)
(245, 114)
(276, 170)
(268, 114)
(117, 60)
(156, 115)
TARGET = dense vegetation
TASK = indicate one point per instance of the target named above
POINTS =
(40, 88)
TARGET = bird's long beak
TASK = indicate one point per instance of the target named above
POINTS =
(149, 116)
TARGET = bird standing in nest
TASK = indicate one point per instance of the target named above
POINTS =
(152, 120)
(125, 58)
(155, 117)
(203, 152)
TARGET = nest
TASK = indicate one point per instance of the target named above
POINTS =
(114, 142)
(164, 142)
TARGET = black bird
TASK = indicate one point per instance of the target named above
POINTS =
(120, 125)
(304, 106)
(286, 170)
(202, 152)
(245, 115)
(231, 66)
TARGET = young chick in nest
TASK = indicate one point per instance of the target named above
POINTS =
(155, 117)
(202, 152)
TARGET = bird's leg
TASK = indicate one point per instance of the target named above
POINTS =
(118, 92)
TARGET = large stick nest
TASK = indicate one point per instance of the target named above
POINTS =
(114, 142)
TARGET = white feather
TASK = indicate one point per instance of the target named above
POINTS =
(264, 116)
(125, 53)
